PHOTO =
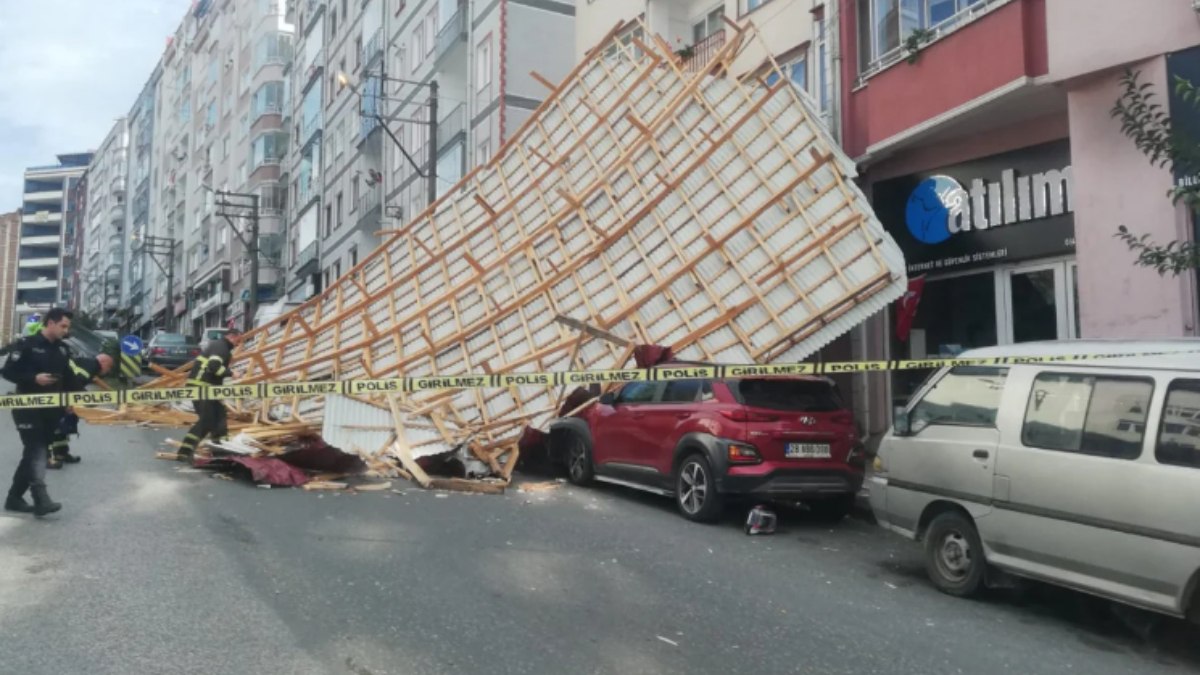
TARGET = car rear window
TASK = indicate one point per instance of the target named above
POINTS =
(170, 339)
(777, 394)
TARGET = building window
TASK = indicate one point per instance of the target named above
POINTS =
(337, 269)
(431, 30)
(339, 209)
(353, 257)
(358, 53)
(483, 153)
(1090, 415)
(711, 23)
(483, 63)
(328, 220)
(354, 192)
(883, 25)
(418, 45)
(796, 71)
(751, 5)
(332, 24)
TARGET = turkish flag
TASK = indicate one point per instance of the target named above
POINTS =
(907, 310)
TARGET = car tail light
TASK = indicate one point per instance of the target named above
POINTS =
(194, 352)
(740, 453)
(158, 351)
(743, 415)
(858, 456)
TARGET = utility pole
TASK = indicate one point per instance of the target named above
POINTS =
(232, 205)
(433, 140)
(162, 246)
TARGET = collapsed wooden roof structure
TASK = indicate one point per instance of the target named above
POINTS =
(644, 199)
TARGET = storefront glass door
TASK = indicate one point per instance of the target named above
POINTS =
(1035, 303)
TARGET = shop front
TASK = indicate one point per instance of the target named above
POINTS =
(994, 240)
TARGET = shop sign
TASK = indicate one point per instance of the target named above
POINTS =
(1004, 208)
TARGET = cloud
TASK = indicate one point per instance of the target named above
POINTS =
(71, 67)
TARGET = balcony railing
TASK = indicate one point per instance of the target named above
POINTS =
(272, 108)
(307, 259)
(454, 32)
(452, 125)
(703, 52)
(372, 48)
(308, 127)
(368, 203)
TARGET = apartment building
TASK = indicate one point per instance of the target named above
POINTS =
(141, 269)
(797, 35)
(46, 257)
(217, 129)
(369, 77)
(100, 235)
(10, 243)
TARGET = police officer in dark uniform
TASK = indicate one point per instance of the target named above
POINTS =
(210, 368)
(39, 364)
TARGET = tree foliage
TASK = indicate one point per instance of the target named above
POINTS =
(1148, 124)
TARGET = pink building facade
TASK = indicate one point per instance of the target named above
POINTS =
(991, 157)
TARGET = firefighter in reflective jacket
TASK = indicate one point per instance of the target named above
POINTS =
(210, 368)
(83, 371)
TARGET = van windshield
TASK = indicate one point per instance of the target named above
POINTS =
(790, 395)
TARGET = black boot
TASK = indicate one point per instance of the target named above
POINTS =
(53, 461)
(67, 458)
(41, 501)
(17, 504)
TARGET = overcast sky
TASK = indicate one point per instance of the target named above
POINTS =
(68, 70)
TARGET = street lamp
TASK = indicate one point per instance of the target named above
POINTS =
(431, 174)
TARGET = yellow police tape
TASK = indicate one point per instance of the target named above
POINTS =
(504, 380)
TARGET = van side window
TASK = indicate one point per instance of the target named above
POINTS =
(1103, 416)
(1179, 435)
(965, 396)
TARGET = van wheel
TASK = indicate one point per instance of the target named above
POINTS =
(954, 555)
(696, 490)
(579, 461)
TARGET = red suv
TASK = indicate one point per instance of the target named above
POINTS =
(705, 441)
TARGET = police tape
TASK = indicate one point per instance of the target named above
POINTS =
(287, 390)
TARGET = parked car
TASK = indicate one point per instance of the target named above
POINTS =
(211, 334)
(705, 442)
(171, 350)
(1084, 474)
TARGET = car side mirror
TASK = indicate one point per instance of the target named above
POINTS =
(609, 399)
(901, 424)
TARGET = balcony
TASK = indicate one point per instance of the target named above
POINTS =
(118, 184)
(372, 49)
(27, 263)
(308, 261)
(453, 34)
(44, 196)
(210, 303)
(48, 239)
(308, 128)
(368, 205)
(44, 282)
(42, 217)
(700, 54)
(452, 126)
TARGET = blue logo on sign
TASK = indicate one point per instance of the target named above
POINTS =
(931, 206)
(33, 318)
(131, 345)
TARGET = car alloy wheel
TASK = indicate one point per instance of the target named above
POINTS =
(693, 487)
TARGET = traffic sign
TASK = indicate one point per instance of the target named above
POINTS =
(33, 318)
(132, 345)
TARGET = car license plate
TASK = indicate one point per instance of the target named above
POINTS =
(807, 450)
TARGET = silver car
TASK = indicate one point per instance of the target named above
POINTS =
(1081, 472)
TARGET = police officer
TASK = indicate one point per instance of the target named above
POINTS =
(83, 371)
(39, 364)
(210, 368)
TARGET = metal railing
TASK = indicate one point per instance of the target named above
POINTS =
(372, 48)
(368, 201)
(451, 34)
(703, 52)
(307, 255)
(450, 126)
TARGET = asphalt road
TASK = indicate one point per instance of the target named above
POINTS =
(151, 568)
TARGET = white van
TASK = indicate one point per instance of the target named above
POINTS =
(1081, 473)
